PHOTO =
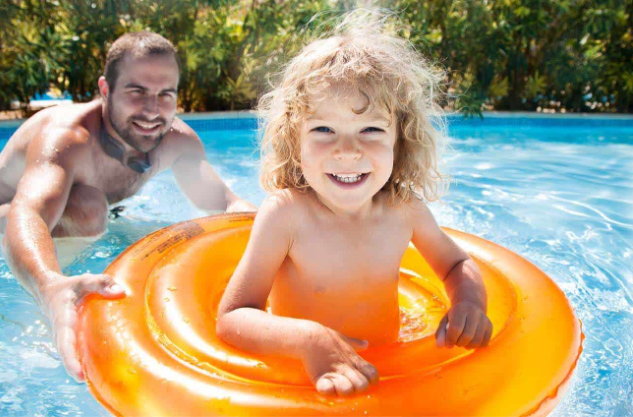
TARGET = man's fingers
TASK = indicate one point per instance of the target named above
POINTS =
(66, 345)
(440, 334)
(101, 284)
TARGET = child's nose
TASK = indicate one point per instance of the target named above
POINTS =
(348, 149)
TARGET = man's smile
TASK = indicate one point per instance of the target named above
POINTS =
(147, 128)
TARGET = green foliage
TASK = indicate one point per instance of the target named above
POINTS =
(501, 54)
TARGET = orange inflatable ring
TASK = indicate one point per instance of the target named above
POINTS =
(155, 352)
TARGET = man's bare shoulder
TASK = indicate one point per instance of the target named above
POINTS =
(180, 140)
(62, 132)
(182, 135)
(73, 120)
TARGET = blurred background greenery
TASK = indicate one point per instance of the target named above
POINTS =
(544, 55)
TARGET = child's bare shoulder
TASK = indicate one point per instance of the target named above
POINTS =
(417, 211)
(282, 206)
(284, 201)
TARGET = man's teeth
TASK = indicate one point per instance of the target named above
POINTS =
(348, 177)
(147, 125)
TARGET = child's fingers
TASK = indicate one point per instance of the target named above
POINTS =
(487, 335)
(440, 334)
(325, 385)
(358, 380)
(357, 344)
(469, 332)
(369, 370)
(479, 337)
(342, 385)
(454, 329)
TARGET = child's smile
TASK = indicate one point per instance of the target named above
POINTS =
(347, 148)
(349, 180)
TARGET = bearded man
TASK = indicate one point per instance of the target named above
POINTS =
(63, 167)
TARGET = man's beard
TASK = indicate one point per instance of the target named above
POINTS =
(128, 136)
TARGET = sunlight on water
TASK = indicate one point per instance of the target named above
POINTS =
(562, 197)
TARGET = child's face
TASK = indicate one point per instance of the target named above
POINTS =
(346, 158)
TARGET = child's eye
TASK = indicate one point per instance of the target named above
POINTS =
(322, 129)
(373, 129)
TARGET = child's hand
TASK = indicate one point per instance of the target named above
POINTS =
(464, 325)
(333, 365)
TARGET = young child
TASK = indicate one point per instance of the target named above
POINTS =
(351, 157)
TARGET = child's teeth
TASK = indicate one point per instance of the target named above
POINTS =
(348, 178)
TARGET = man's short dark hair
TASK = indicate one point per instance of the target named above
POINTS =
(140, 45)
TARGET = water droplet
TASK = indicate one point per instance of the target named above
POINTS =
(172, 288)
(166, 299)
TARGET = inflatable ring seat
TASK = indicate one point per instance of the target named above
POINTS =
(156, 352)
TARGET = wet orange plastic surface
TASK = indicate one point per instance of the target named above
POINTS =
(155, 352)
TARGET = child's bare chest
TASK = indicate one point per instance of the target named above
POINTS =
(345, 279)
(335, 260)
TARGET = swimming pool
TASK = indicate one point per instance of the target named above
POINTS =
(558, 191)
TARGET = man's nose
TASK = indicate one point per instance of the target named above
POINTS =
(150, 107)
(348, 148)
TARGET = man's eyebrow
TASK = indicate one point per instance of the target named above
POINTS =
(140, 87)
(132, 85)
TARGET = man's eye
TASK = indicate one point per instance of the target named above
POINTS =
(322, 129)
(136, 93)
(373, 129)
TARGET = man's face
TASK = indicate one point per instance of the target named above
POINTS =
(142, 106)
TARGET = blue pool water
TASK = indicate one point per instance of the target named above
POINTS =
(557, 191)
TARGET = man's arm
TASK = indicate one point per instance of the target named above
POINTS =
(199, 181)
(37, 207)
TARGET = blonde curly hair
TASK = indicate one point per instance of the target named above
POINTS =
(360, 54)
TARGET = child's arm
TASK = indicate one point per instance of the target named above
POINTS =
(466, 323)
(328, 356)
